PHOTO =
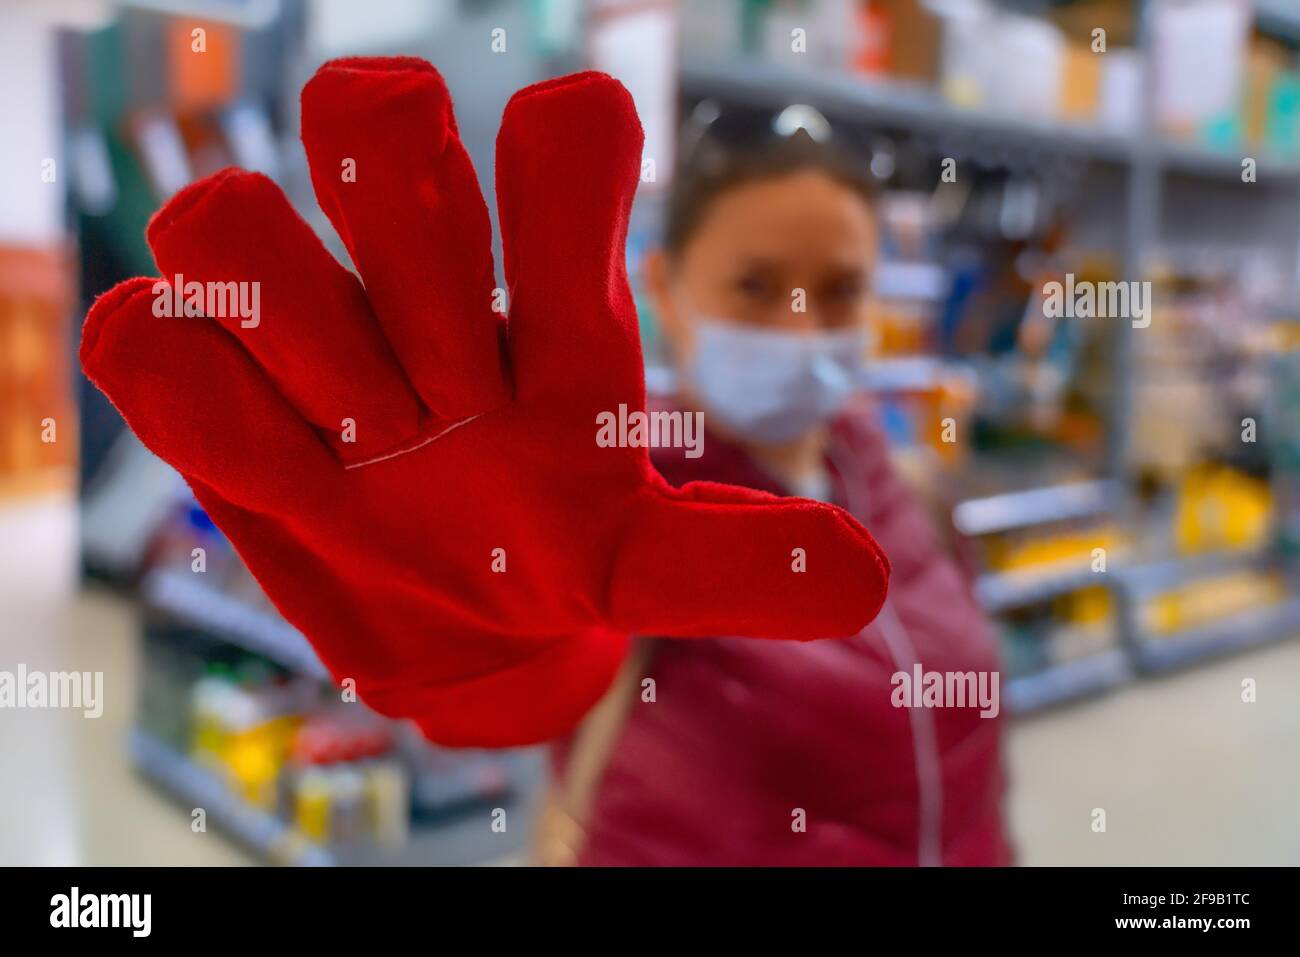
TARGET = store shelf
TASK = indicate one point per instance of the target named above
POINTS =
(1152, 577)
(912, 374)
(1067, 682)
(1005, 590)
(1279, 17)
(911, 107)
(263, 834)
(920, 109)
(1196, 160)
(901, 374)
(1237, 633)
(458, 841)
(190, 599)
(245, 14)
(915, 281)
(1036, 506)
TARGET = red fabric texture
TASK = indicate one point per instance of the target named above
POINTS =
(741, 733)
(472, 433)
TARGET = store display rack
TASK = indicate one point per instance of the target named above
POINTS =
(1070, 681)
(456, 843)
(1279, 17)
(1153, 654)
(989, 134)
(248, 14)
(757, 82)
(1000, 513)
(1000, 591)
(263, 834)
(184, 595)
(1249, 629)
(458, 837)
(1150, 577)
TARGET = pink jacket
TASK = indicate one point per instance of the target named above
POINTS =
(745, 735)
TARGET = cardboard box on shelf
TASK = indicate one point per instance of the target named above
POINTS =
(1119, 105)
(1028, 74)
(915, 40)
(1079, 21)
(1199, 55)
(1266, 60)
(1080, 82)
(1282, 125)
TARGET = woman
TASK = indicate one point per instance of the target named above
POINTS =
(738, 752)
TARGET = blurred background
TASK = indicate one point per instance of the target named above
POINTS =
(1111, 140)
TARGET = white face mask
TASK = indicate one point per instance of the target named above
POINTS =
(772, 386)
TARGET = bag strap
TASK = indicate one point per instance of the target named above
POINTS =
(561, 830)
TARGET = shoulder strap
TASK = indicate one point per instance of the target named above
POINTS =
(561, 830)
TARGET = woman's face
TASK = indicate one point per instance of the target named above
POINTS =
(791, 253)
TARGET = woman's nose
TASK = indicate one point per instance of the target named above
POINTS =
(807, 319)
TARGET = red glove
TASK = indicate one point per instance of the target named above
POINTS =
(471, 435)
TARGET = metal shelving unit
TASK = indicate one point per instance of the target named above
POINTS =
(1068, 682)
(1279, 17)
(1146, 579)
(263, 834)
(1011, 510)
(918, 109)
(1146, 167)
(1259, 626)
(455, 838)
(180, 596)
(1005, 590)
(1159, 653)
(188, 598)
(756, 82)
(1210, 163)
(457, 842)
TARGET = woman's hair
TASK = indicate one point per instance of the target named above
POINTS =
(710, 166)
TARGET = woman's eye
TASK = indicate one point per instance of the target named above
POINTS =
(752, 286)
(846, 290)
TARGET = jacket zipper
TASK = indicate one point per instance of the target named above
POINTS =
(902, 651)
(925, 746)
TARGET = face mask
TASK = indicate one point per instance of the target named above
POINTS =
(773, 387)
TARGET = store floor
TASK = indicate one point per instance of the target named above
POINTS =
(1186, 772)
